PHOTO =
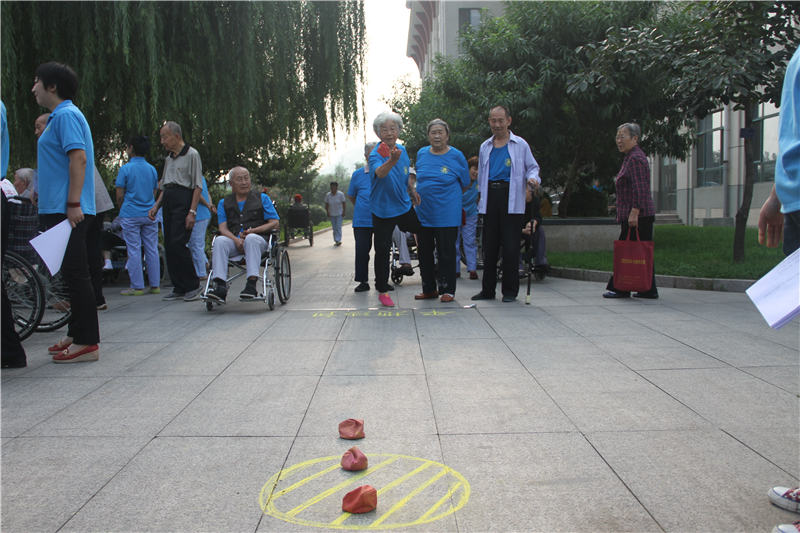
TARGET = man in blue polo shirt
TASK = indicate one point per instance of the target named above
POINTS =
(66, 178)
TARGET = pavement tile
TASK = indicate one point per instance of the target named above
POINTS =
(161, 489)
(189, 358)
(494, 403)
(739, 349)
(125, 406)
(530, 483)
(378, 324)
(232, 405)
(605, 324)
(659, 352)
(784, 377)
(389, 405)
(446, 323)
(695, 480)
(398, 355)
(116, 358)
(528, 323)
(467, 356)
(282, 358)
(48, 479)
(311, 325)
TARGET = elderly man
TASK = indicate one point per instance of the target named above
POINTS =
(244, 218)
(180, 188)
(505, 167)
(23, 182)
(335, 207)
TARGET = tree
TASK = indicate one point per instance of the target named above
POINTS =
(704, 55)
(524, 60)
(246, 80)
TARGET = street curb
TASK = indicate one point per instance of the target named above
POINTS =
(674, 282)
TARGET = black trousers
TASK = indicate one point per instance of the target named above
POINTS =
(363, 238)
(95, 254)
(177, 201)
(443, 241)
(382, 229)
(11, 350)
(83, 326)
(501, 228)
(645, 234)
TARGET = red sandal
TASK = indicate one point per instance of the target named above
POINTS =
(87, 353)
(59, 347)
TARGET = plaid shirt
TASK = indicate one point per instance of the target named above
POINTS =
(633, 186)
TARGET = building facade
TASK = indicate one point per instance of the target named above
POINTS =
(704, 189)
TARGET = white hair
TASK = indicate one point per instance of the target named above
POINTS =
(385, 117)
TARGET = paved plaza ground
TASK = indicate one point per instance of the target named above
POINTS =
(572, 414)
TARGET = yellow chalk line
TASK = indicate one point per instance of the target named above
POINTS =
(401, 479)
(405, 500)
(306, 480)
(321, 496)
(438, 504)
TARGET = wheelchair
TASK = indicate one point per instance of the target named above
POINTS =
(396, 270)
(275, 275)
(298, 223)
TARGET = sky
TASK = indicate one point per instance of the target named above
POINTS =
(386, 62)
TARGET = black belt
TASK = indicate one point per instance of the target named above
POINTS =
(176, 186)
(497, 184)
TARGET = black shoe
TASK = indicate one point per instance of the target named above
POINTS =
(249, 292)
(363, 286)
(482, 296)
(612, 294)
(218, 292)
(407, 270)
(389, 288)
(507, 299)
(16, 363)
(647, 295)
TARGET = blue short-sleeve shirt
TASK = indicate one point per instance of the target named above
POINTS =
(440, 179)
(500, 164)
(266, 203)
(359, 189)
(389, 195)
(203, 213)
(139, 179)
(66, 130)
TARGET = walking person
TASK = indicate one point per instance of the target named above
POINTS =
(180, 190)
(442, 174)
(635, 206)
(505, 167)
(466, 244)
(358, 193)
(137, 184)
(390, 196)
(66, 178)
(336, 206)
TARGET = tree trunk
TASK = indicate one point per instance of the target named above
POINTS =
(569, 184)
(747, 193)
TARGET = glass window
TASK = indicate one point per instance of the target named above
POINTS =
(710, 142)
(765, 141)
(667, 184)
(469, 17)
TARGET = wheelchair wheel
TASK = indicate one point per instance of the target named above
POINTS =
(57, 308)
(25, 293)
(271, 299)
(397, 277)
(283, 276)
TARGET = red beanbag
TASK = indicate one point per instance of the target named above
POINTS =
(354, 459)
(351, 429)
(383, 150)
(361, 500)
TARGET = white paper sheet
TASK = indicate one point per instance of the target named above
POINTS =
(777, 294)
(52, 244)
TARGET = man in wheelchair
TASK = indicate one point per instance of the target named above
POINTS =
(245, 219)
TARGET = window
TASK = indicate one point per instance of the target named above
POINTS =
(469, 17)
(765, 141)
(667, 184)
(709, 150)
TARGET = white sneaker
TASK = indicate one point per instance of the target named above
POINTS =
(787, 528)
(786, 498)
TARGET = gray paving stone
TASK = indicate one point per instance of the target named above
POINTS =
(27, 402)
(530, 483)
(379, 324)
(494, 403)
(393, 355)
(390, 406)
(605, 324)
(125, 406)
(459, 357)
(744, 350)
(189, 358)
(307, 325)
(695, 480)
(275, 357)
(529, 323)
(659, 352)
(785, 377)
(46, 480)
(455, 323)
(116, 358)
(186, 484)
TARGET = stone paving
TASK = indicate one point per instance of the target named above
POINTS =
(572, 414)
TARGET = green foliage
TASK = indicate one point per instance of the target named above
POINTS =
(252, 82)
(688, 251)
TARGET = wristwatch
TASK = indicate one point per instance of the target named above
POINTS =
(192, 211)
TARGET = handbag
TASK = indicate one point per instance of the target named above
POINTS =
(633, 264)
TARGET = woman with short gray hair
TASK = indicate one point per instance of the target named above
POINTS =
(390, 196)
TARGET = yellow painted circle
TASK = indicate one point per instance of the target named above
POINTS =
(411, 491)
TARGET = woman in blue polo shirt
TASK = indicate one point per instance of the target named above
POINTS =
(137, 183)
(197, 240)
(442, 173)
(358, 193)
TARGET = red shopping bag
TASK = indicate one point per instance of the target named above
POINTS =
(633, 264)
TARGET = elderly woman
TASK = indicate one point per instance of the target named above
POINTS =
(635, 207)
(390, 196)
(442, 174)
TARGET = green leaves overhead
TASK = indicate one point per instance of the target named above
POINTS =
(246, 80)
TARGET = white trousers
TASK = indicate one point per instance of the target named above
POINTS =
(224, 248)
